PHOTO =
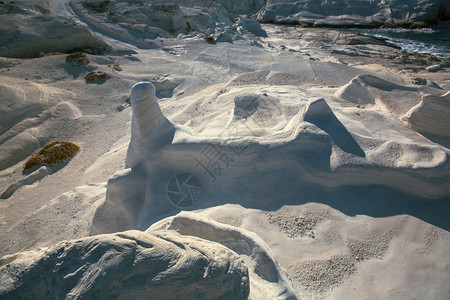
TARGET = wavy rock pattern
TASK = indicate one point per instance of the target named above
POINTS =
(126, 265)
(268, 280)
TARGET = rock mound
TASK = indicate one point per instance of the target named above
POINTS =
(431, 115)
(140, 22)
(354, 13)
(366, 90)
(320, 114)
(28, 31)
(268, 280)
(126, 265)
(28, 112)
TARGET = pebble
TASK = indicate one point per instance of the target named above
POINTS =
(434, 68)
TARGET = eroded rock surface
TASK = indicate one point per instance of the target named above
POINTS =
(126, 265)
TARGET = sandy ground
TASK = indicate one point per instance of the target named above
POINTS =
(361, 241)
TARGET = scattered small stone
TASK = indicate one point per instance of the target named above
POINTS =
(123, 106)
(376, 243)
(434, 68)
(117, 67)
(311, 234)
(323, 275)
(419, 81)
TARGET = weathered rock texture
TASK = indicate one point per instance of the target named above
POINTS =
(126, 265)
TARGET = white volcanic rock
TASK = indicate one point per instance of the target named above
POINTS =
(368, 90)
(431, 115)
(434, 68)
(23, 98)
(126, 265)
(268, 280)
(30, 31)
(309, 157)
(28, 180)
(252, 26)
(219, 151)
(28, 113)
(150, 129)
(140, 22)
(320, 114)
(75, 209)
(137, 22)
(351, 13)
(174, 18)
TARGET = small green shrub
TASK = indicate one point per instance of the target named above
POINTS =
(52, 154)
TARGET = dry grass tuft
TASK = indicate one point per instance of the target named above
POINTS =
(78, 59)
(210, 40)
(52, 154)
(44, 54)
(96, 76)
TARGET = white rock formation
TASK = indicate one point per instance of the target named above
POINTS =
(268, 280)
(138, 23)
(28, 112)
(355, 12)
(431, 115)
(369, 91)
(29, 30)
(126, 265)
(29, 179)
(150, 129)
(228, 154)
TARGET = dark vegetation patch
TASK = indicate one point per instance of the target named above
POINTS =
(96, 76)
(52, 154)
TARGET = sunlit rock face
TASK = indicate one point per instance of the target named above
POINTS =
(261, 144)
(29, 111)
(430, 116)
(126, 265)
(138, 22)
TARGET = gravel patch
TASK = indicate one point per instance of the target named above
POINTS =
(295, 224)
(322, 275)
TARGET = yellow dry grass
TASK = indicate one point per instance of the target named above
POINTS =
(52, 154)
(78, 59)
(96, 76)
(210, 39)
